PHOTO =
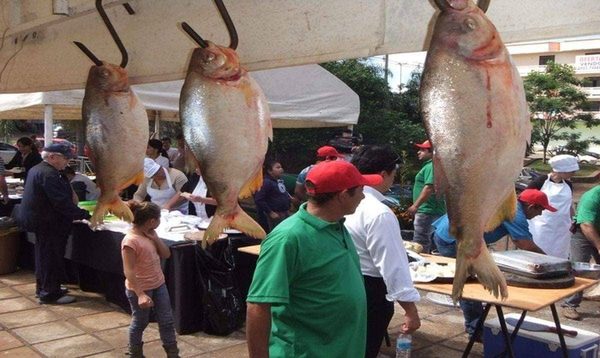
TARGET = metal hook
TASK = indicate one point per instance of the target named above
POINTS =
(233, 37)
(483, 5)
(113, 33)
(443, 4)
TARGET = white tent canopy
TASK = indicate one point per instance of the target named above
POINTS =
(38, 54)
(302, 96)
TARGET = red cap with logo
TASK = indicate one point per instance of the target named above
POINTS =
(536, 197)
(425, 145)
(328, 151)
(334, 176)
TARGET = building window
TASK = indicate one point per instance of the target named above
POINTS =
(591, 82)
(545, 59)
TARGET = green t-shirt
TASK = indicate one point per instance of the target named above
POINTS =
(588, 209)
(309, 271)
(433, 205)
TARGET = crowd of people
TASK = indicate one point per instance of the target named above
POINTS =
(343, 246)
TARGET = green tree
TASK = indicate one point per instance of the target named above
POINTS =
(385, 117)
(555, 102)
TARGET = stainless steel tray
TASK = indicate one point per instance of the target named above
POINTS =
(531, 264)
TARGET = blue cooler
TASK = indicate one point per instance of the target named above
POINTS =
(538, 344)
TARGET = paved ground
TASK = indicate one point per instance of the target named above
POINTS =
(92, 327)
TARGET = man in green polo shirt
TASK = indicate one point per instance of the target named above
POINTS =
(427, 207)
(307, 297)
(585, 242)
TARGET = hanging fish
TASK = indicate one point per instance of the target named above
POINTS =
(476, 115)
(227, 126)
(116, 130)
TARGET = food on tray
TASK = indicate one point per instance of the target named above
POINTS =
(429, 271)
(413, 246)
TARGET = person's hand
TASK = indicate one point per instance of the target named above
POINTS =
(273, 215)
(144, 301)
(188, 196)
(412, 210)
(412, 322)
(152, 234)
(5, 199)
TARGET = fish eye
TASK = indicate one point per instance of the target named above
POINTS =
(209, 57)
(470, 24)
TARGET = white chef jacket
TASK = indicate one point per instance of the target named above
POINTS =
(551, 230)
(376, 234)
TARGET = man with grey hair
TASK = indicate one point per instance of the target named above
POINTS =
(48, 210)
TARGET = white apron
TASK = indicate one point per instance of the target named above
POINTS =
(551, 230)
(161, 196)
(200, 190)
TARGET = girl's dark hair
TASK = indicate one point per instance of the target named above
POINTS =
(28, 142)
(157, 144)
(373, 159)
(144, 211)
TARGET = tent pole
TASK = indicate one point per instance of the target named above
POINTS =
(48, 123)
(157, 125)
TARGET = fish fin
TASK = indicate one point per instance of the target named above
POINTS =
(441, 181)
(239, 220)
(252, 185)
(136, 180)
(484, 267)
(114, 205)
(506, 211)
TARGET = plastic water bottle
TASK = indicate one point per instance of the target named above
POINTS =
(403, 345)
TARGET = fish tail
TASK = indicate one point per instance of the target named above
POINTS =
(484, 267)
(115, 205)
(238, 220)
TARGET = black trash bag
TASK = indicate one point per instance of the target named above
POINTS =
(223, 311)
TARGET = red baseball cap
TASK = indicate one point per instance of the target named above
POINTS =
(536, 197)
(334, 176)
(425, 145)
(328, 151)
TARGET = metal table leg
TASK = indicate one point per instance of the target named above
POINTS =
(561, 337)
(478, 330)
(507, 336)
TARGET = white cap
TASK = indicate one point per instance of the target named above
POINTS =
(564, 163)
(150, 167)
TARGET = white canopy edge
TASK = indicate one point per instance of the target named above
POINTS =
(302, 96)
(38, 54)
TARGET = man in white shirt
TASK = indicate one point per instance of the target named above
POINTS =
(383, 261)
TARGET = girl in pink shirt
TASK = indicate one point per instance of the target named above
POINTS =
(142, 251)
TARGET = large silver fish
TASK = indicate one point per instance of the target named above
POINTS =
(117, 136)
(476, 115)
(227, 124)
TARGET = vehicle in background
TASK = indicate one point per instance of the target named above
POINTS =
(7, 152)
(526, 176)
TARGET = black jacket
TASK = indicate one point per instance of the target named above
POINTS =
(30, 161)
(47, 203)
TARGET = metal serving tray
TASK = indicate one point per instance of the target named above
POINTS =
(531, 264)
